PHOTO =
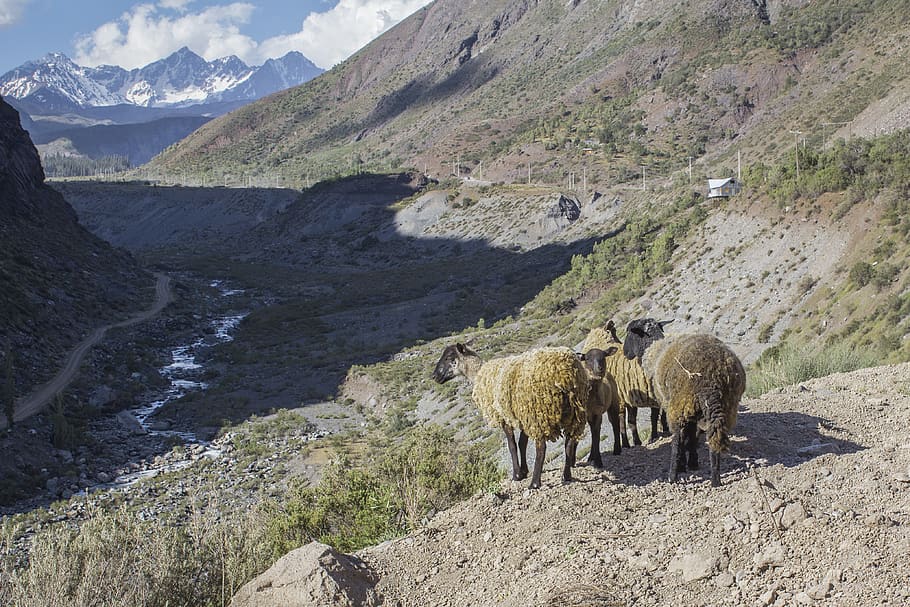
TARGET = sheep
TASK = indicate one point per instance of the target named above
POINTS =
(634, 388)
(603, 398)
(698, 380)
(541, 392)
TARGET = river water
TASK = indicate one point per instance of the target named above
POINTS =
(183, 373)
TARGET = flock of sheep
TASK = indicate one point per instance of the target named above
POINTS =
(691, 382)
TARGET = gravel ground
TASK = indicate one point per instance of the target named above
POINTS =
(814, 509)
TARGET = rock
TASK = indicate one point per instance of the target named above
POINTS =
(101, 396)
(314, 575)
(130, 423)
(793, 514)
(803, 599)
(53, 485)
(103, 477)
(820, 591)
(160, 425)
(725, 580)
(772, 556)
(693, 566)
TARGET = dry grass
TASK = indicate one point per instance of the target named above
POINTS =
(118, 560)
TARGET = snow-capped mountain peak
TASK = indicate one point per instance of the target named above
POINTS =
(181, 79)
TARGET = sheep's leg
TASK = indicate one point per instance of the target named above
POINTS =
(513, 450)
(658, 414)
(715, 469)
(541, 453)
(677, 453)
(594, 457)
(523, 455)
(613, 416)
(632, 413)
(622, 426)
(691, 442)
(571, 451)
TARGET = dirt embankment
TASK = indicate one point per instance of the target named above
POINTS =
(814, 510)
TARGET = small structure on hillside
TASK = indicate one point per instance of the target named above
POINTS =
(723, 188)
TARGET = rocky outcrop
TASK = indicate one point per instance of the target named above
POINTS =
(314, 575)
(20, 167)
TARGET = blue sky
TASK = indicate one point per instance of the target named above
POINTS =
(133, 33)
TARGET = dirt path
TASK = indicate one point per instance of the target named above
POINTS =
(34, 402)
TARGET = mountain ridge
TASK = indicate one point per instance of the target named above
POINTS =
(178, 80)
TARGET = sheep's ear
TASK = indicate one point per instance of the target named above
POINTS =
(636, 330)
(462, 349)
(611, 350)
(610, 325)
(664, 323)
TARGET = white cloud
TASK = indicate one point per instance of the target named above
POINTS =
(10, 11)
(148, 32)
(331, 36)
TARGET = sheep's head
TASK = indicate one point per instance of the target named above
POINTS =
(641, 333)
(451, 363)
(595, 361)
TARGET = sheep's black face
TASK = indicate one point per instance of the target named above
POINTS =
(596, 361)
(641, 333)
(447, 366)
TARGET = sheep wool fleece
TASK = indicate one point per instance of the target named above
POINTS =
(633, 387)
(687, 370)
(542, 391)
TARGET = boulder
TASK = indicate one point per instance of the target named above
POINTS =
(130, 423)
(314, 575)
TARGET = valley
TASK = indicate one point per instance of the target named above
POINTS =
(507, 175)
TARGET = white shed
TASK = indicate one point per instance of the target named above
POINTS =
(723, 188)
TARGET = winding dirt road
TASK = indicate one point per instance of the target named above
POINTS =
(41, 396)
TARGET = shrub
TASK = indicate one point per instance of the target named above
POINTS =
(787, 364)
(357, 506)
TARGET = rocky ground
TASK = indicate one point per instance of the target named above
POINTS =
(814, 509)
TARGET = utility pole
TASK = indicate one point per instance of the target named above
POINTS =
(644, 185)
(584, 181)
(739, 165)
(690, 170)
(796, 149)
(481, 170)
(529, 173)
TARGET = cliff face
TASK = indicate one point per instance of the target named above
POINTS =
(20, 168)
(56, 279)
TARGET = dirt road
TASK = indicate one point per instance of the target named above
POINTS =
(41, 396)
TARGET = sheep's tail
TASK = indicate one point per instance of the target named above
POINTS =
(718, 439)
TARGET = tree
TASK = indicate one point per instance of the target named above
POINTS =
(9, 391)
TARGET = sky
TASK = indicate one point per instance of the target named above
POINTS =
(132, 33)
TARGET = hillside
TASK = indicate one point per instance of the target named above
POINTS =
(487, 88)
(814, 509)
(58, 279)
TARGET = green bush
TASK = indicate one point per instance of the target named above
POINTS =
(787, 364)
(360, 505)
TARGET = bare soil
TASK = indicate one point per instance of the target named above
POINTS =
(814, 509)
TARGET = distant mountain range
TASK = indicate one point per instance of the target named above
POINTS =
(73, 107)
(55, 83)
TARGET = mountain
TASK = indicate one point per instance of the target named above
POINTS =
(91, 113)
(55, 83)
(605, 86)
(58, 280)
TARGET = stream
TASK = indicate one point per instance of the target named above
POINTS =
(183, 374)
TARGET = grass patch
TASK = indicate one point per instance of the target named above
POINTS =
(788, 364)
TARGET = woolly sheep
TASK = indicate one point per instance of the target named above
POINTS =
(698, 380)
(542, 393)
(603, 398)
(634, 388)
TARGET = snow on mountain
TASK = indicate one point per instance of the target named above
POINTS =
(179, 80)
